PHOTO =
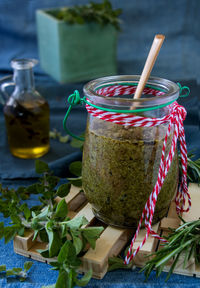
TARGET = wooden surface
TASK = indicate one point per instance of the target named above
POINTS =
(113, 240)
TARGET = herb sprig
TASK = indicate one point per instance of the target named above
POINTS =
(101, 13)
(68, 239)
(183, 241)
(22, 274)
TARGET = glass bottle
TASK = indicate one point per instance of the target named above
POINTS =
(121, 163)
(26, 113)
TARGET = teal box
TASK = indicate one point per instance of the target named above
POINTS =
(74, 52)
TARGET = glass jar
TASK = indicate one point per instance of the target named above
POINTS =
(26, 113)
(121, 163)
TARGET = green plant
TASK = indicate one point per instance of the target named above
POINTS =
(67, 238)
(102, 13)
(181, 241)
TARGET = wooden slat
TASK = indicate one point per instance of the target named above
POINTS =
(74, 199)
(25, 242)
(194, 212)
(167, 222)
(147, 248)
(110, 243)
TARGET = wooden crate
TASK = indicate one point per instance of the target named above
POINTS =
(113, 240)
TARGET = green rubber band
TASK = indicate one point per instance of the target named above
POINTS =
(74, 99)
(129, 111)
(182, 89)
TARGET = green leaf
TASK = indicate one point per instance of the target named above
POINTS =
(34, 189)
(118, 263)
(15, 219)
(24, 208)
(76, 168)
(2, 268)
(77, 222)
(54, 242)
(41, 167)
(9, 233)
(17, 270)
(61, 209)
(63, 190)
(77, 242)
(76, 181)
(92, 234)
(67, 253)
(63, 280)
(27, 265)
(44, 253)
(1, 230)
(10, 272)
(43, 235)
(85, 279)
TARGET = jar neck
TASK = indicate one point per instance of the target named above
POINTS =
(24, 80)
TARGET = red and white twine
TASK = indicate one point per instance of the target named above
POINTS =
(175, 120)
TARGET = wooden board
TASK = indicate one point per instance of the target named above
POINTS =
(113, 240)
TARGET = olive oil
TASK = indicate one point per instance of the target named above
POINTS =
(28, 128)
(26, 113)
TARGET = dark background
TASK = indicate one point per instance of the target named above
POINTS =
(179, 60)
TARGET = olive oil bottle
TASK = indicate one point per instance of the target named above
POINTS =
(26, 113)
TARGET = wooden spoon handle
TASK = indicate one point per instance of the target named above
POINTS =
(153, 53)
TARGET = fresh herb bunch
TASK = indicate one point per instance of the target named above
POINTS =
(183, 241)
(101, 13)
(18, 272)
(67, 239)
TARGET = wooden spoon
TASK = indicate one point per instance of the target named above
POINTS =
(151, 59)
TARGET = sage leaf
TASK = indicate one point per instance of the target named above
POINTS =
(41, 167)
(76, 181)
(85, 279)
(27, 265)
(1, 230)
(67, 252)
(2, 268)
(77, 222)
(77, 242)
(54, 242)
(63, 280)
(9, 233)
(63, 190)
(76, 168)
(10, 272)
(92, 234)
(24, 208)
(61, 209)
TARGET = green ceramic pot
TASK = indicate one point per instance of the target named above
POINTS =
(74, 52)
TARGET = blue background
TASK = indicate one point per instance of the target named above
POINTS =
(179, 59)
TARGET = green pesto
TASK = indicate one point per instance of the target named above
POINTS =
(120, 168)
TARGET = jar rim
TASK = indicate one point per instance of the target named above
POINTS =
(170, 89)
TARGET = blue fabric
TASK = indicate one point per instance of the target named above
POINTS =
(141, 20)
(179, 59)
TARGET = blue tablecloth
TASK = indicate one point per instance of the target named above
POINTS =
(16, 172)
(178, 59)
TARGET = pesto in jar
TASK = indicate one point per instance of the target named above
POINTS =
(120, 169)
